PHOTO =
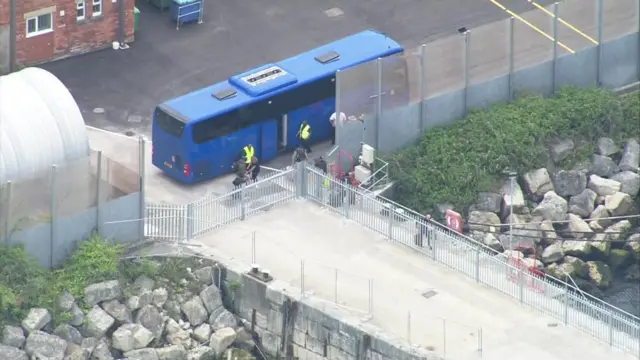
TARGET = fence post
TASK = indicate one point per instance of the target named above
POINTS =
(555, 48)
(467, 42)
(189, 222)
(302, 277)
(423, 76)
(566, 301)
(599, 34)
(478, 263)
(511, 54)
(378, 103)
(243, 209)
(99, 193)
(7, 216)
(142, 173)
(54, 216)
(335, 286)
(338, 124)
(347, 201)
(610, 328)
(391, 213)
(521, 283)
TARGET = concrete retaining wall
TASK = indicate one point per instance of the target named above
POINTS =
(307, 328)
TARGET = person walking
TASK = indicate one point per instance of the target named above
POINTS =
(248, 152)
(333, 119)
(304, 134)
(240, 170)
(253, 170)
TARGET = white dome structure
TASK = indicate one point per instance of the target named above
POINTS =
(40, 125)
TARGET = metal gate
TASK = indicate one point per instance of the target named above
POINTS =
(166, 221)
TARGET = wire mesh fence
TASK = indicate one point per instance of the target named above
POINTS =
(395, 99)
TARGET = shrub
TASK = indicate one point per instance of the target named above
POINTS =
(452, 164)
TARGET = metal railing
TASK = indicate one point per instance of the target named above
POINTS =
(404, 226)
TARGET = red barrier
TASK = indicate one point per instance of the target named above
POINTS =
(521, 271)
(454, 220)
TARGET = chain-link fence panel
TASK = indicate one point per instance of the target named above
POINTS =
(357, 96)
(533, 39)
(577, 23)
(399, 120)
(444, 65)
(488, 51)
(620, 17)
(74, 187)
(30, 203)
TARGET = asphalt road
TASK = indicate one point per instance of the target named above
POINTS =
(237, 35)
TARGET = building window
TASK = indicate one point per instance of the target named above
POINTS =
(40, 24)
(97, 8)
(80, 10)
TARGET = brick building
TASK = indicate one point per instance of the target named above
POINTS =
(51, 29)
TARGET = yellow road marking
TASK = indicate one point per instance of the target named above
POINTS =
(537, 29)
(560, 20)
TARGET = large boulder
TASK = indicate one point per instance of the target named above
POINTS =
(104, 291)
(205, 275)
(151, 319)
(552, 253)
(515, 199)
(488, 201)
(630, 160)
(211, 298)
(102, 351)
(195, 311)
(616, 231)
(570, 182)
(8, 352)
(13, 336)
(600, 215)
(619, 259)
(603, 166)
(68, 333)
(633, 244)
(222, 339)
(176, 335)
(548, 232)
(629, 182)
(538, 182)
(576, 228)
(583, 203)
(222, 318)
(142, 354)
(160, 297)
(618, 204)
(130, 337)
(202, 332)
(577, 248)
(602, 186)
(201, 353)
(492, 242)
(552, 207)
(601, 246)
(97, 323)
(560, 149)
(570, 266)
(600, 273)
(41, 345)
(36, 319)
(483, 221)
(606, 147)
(142, 284)
(172, 352)
(144, 298)
(120, 312)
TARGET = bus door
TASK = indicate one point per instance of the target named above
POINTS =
(270, 139)
(283, 125)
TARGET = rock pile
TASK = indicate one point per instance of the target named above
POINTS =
(147, 320)
(577, 222)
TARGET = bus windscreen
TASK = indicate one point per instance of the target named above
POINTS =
(169, 124)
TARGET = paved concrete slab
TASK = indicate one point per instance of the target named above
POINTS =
(237, 35)
(448, 321)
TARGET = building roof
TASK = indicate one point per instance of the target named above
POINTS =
(40, 125)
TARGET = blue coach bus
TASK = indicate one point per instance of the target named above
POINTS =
(198, 136)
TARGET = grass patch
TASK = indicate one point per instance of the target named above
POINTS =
(452, 164)
(24, 284)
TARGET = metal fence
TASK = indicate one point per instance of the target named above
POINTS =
(484, 265)
(50, 213)
(574, 42)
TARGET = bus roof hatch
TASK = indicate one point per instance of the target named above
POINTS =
(263, 80)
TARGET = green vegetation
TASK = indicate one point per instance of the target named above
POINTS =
(24, 284)
(452, 164)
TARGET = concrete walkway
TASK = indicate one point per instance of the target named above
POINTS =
(411, 296)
